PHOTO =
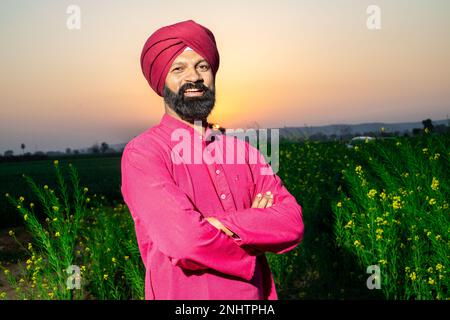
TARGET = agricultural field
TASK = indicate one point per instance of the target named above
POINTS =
(382, 204)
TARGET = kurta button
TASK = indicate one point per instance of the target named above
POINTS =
(217, 171)
(222, 196)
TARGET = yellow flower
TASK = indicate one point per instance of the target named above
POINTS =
(55, 219)
(432, 201)
(127, 257)
(425, 150)
(349, 224)
(51, 294)
(55, 208)
(436, 156)
(413, 276)
(46, 187)
(435, 184)
(438, 237)
(85, 189)
(31, 204)
(6, 272)
(430, 270)
(55, 162)
(398, 143)
(439, 267)
(339, 204)
(105, 276)
(407, 269)
(431, 281)
(427, 130)
(383, 261)
(57, 234)
(3, 295)
(30, 246)
(357, 243)
(29, 261)
(21, 199)
(358, 170)
(113, 260)
(383, 196)
(396, 204)
(83, 268)
(371, 194)
(11, 233)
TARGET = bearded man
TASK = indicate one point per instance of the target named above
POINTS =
(202, 227)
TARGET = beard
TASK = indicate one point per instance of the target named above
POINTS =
(191, 109)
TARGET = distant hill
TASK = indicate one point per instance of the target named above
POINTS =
(354, 129)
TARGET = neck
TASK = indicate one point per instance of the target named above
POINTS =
(201, 129)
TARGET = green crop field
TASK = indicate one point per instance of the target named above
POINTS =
(381, 205)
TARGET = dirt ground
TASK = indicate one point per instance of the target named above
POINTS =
(12, 255)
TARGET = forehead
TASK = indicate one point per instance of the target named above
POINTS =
(188, 56)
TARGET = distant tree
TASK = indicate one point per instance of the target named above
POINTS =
(319, 136)
(76, 151)
(68, 151)
(9, 153)
(441, 128)
(104, 147)
(95, 148)
(345, 130)
(416, 131)
(428, 124)
(22, 146)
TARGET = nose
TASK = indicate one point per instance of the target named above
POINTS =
(193, 75)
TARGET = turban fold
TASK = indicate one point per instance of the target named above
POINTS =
(166, 43)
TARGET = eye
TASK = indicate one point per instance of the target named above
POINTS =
(204, 67)
(177, 69)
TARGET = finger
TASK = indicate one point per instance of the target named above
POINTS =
(263, 202)
(256, 200)
(270, 201)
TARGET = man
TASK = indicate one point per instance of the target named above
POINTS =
(202, 227)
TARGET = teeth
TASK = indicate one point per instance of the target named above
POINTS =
(192, 90)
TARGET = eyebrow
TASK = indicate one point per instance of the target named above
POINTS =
(180, 62)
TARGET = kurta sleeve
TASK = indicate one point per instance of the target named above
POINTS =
(276, 229)
(168, 218)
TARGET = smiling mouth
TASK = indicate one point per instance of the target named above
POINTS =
(193, 92)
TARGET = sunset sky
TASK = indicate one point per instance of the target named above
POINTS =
(283, 63)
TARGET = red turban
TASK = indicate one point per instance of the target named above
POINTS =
(166, 43)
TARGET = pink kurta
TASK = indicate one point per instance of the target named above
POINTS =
(184, 255)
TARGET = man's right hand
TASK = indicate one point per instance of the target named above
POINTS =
(263, 201)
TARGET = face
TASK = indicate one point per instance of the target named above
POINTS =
(189, 87)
